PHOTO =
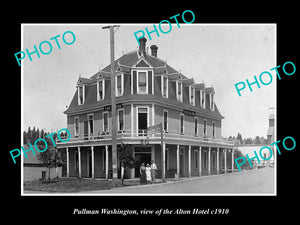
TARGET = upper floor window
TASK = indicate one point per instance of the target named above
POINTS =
(142, 83)
(76, 126)
(213, 129)
(81, 95)
(196, 125)
(179, 91)
(105, 122)
(192, 95)
(202, 99)
(100, 90)
(164, 86)
(204, 128)
(181, 124)
(165, 122)
(121, 119)
(119, 85)
(91, 124)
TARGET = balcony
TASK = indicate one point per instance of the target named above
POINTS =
(144, 137)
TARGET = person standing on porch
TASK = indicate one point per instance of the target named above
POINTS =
(153, 171)
(148, 173)
(143, 174)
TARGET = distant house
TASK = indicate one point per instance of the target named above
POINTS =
(33, 167)
(148, 92)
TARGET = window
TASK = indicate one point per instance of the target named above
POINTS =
(101, 90)
(80, 95)
(192, 95)
(179, 91)
(212, 105)
(165, 120)
(213, 129)
(76, 124)
(202, 99)
(91, 124)
(204, 128)
(121, 120)
(105, 122)
(181, 123)
(196, 125)
(119, 85)
(164, 86)
(142, 83)
(104, 160)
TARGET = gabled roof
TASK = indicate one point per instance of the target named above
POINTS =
(209, 90)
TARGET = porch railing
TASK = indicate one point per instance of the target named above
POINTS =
(143, 134)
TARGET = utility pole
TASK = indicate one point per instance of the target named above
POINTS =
(113, 106)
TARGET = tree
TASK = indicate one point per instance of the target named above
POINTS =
(125, 158)
(50, 158)
(239, 138)
(256, 141)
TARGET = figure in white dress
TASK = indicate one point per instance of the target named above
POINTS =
(148, 173)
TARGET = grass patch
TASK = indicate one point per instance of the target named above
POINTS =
(69, 185)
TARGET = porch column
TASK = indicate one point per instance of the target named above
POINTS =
(106, 162)
(163, 161)
(209, 160)
(218, 166)
(225, 167)
(68, 162)
(177, 159)
(189, 161)
(93, 164)
(200, 164)
(79, 162)
(232, 158)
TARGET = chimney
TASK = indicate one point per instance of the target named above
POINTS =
(154, 50)
(142, 48)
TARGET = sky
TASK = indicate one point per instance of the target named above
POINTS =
(220, 55)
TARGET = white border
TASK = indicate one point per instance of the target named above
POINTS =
(149, 194)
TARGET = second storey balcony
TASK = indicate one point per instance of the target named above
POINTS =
(145, 138)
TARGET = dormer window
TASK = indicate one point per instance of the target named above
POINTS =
(202, 99)
(81, 95)
(142, 83)
(179, 91)
(164, 86)
(192, 95)
(100, 90)
(119, 85)
(212, 105)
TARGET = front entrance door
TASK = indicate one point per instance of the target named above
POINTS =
(143, 154)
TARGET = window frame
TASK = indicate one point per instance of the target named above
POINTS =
(192, 91)
(167, 121)
(75, 133)
(196, 129)
(122, 84)
(137, 82)
(163, 79)
(181, 115)
(103, 89)
(93, 122)
(204, 128)
(179, 97)
(119, 119)
(103, 124)
(83, 94)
